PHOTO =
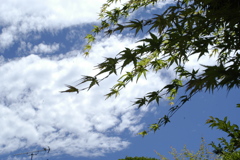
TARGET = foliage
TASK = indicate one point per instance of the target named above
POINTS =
(187, 28)
(232, 156)
(232, 131)
(71, 89)
(225, 148)
(138, 158)
(202, 154)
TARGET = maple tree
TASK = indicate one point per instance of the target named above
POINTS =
(186, 28)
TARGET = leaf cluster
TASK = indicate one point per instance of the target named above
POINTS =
(225, 147)
(200, 28)
(202, 154)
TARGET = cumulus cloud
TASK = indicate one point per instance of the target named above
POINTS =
(34, 112)
(41, 48)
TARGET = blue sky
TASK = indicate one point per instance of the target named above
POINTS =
(41, 46)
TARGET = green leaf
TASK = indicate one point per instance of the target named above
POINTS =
(96, 29)
(141, 71)
(153, 96)
(93, 81)
(143, 133)
(90, 38)
(127, 56)
(87, 47)
(154, 127)
(140, 102)
(112, 92)
(135, 24)
(109, 66)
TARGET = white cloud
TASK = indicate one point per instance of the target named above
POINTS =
(22, 17)
(34, 112)
(19, 18)
(41, 48)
